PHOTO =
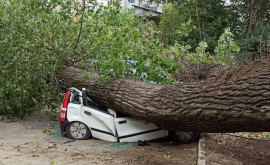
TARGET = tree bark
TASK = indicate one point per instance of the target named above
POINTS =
(237, 100)
(253, 10)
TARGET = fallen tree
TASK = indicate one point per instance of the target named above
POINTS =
(237, 100)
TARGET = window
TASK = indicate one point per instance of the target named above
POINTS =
(120, 114)
(91, 104)
(131, 1)
(75, 97)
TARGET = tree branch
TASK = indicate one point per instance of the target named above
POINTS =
(18, 30)
(80, 31)
(87, 56)
(58, 54)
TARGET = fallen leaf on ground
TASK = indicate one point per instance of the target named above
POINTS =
(53, 162)
(192, 149)
(48, 126)
(48, 132)
(140, 149)
(167, 156)
(43, 147)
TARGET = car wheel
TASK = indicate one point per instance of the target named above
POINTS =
(78, 130)
(184, 137)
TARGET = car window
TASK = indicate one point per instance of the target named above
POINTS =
(90, 103)
(120, 114)
(75, 98)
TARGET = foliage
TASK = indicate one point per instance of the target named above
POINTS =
(127, 40)
(177, 53)
(200, 56)
(173, 26)
(208, 16)
(182, 55)
(257, 45)
(247, 19)
(225, 46)
(21, 92)
(44, 36)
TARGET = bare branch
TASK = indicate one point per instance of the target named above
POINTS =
(80, 31)
(58, 54)
(88, 55)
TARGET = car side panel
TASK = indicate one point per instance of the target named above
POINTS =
(156, 134)
(74, 109)
(133, 130)
(101, 124)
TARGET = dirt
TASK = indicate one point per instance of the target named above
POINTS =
(37, 141)
(224, 150)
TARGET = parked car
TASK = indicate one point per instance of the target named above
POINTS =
(82, 118)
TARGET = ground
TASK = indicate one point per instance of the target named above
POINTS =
(37, 141)
(227, 149)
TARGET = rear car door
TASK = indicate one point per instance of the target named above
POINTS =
(98, 118)
(133, 130)
(75, 103)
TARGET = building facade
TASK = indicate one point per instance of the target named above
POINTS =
(143, 4)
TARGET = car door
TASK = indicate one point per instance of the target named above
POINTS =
(132, 130)
(98, 119)
(74, 105)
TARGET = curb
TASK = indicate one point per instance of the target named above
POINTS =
(201, 151)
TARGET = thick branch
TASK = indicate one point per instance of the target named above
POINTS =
(238, 100)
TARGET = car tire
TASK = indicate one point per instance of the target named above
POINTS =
(184, 137)
(78, 130)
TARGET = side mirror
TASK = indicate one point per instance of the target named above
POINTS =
(84, 97)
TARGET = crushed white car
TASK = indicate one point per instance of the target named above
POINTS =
(82, 118)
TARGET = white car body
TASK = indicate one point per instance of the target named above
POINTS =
(109, 125)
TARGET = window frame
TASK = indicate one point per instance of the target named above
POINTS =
(95, 107)
(73, 94)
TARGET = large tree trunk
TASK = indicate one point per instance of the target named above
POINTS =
(238, 100)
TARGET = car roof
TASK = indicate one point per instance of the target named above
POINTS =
(75, 89)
